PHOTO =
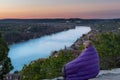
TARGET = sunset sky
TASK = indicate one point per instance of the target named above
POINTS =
(59, 9)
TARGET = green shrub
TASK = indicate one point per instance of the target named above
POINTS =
(108, 46)
(47, 68)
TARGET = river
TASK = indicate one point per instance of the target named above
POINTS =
(25, 52)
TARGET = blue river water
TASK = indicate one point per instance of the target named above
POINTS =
(25, 52)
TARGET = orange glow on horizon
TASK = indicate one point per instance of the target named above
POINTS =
(58, 10)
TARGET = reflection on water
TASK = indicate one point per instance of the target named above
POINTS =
(25, 52)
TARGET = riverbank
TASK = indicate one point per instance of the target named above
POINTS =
(57, 61)
(113, 74)
(43, 47)
(51, 67)
(19, 30)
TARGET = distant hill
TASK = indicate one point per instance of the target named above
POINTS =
(35, 20)
(17, 30)
(52, 20)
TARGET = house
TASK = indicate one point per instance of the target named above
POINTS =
(14, 76)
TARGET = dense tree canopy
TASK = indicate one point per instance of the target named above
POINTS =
(17, 32)
(108, 46)
(5, 62)
(46, 68)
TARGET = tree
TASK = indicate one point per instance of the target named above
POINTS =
(5, 62)
(108, 46)
(47, 68)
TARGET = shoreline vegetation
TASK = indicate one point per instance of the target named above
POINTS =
(107, 45)
(19, 30)
(106, 37)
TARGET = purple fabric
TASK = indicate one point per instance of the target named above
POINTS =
(85, 67)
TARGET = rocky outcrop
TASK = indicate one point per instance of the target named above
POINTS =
(113, 74)
(91, 35)
(75, 47)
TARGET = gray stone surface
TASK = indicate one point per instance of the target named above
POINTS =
(108, 77)
(113, 74)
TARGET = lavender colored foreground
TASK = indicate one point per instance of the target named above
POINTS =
(85, 67)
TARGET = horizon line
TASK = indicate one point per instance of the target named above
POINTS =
(51, 18)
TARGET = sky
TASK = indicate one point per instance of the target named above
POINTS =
(85, 9)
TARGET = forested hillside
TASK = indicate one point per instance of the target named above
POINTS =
(5, 62)
(17, 30)
(106, 39)
(108, 48)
